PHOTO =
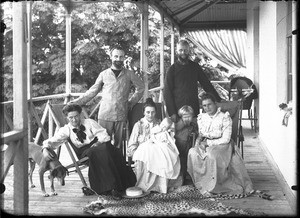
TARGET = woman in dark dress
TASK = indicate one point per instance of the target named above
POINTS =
(107, 168)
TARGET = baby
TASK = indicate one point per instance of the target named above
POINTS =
(160, 134)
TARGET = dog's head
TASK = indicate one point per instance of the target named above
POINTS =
(60, 173)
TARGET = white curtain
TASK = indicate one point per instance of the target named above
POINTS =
(228, 47)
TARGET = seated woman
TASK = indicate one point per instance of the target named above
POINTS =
(157, 163)
(107, 168)
(212, 164)
(186, 130)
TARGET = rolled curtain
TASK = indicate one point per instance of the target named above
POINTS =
(226, 46)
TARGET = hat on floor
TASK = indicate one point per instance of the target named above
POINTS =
(134, 192)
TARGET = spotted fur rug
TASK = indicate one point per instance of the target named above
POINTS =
(185, 200)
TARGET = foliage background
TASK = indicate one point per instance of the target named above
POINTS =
(96, 28)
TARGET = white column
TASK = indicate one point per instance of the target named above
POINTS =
(68, 52)
(29, 66)
(20, 107)
(294, 63)
(144, 44)
(162, 51)
(172, 45)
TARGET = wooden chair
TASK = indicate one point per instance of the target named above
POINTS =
(78, 164)
(235, 110)
(242, 88)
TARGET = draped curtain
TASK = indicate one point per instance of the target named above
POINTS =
(228, 47)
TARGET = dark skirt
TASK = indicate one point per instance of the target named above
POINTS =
(108, 169)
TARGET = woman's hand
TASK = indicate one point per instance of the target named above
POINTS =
(47, 154)
(201, 143)
(203, 146)
(130, 151)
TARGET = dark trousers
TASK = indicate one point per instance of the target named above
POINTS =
(107, 168)
(183, 148)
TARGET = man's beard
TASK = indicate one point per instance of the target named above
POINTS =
(183, 59)
(118, 64)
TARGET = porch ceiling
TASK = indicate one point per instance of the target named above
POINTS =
(190, 14)
(203, 14)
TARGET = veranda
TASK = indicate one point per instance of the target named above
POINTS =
(18, 200)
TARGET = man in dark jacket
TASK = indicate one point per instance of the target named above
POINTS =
(181, 83)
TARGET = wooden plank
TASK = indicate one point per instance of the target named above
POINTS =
(281, 181)
(41, 128)
(9, 155)
(12, 136)
(70, 198)
(36, 116)
(8, 119)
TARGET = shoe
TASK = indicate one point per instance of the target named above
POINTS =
(87, 191)
(116, 195)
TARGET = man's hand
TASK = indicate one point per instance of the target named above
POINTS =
(71, 102)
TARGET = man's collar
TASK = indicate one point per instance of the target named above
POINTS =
(183, 62)
(112, 68)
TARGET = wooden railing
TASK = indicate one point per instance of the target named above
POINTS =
(38, 111)
(38, 114)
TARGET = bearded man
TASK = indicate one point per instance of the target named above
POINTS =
(181, 83)
(114, 83)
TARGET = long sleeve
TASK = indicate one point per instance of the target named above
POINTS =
(133, 142)
(59, 137)
(99, 131)
(168, 92)
(139, 89)
(226, 130)
(206, 84)
(217, 129)
(91, 93)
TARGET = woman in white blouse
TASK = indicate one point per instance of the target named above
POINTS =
(107, 168)
(212, 164)
(157, 166)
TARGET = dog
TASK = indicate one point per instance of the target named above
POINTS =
(57, 170)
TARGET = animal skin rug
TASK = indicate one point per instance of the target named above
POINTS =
(186, 200)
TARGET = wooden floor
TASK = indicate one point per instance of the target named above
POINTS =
(264, 175)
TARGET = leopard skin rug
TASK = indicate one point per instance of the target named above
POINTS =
(186, 200)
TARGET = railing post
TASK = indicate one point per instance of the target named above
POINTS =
(68, 54)
(20, 120)
(29, 68)
(143, 6)
(162, 52)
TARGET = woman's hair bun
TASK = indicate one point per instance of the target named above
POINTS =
(149, 100)
(149, 103)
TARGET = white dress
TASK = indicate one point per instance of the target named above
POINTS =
(157, 165)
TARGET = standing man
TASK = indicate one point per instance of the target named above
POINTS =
(181, 83)
(115, 83)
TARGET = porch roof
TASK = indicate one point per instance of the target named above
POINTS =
(202, 14)
(190, 14)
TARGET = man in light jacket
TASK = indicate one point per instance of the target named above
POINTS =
(115, 83)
